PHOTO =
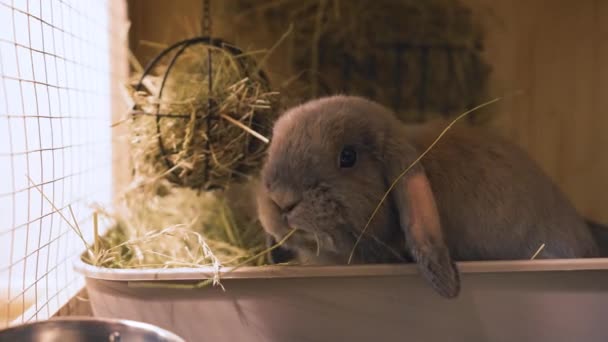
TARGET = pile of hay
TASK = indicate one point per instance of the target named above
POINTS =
(158, 225)
(421, 58)
(179, 138)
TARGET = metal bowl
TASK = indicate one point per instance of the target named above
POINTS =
(71, 329)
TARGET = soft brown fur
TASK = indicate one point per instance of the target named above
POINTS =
(495, 202)
(473, 197)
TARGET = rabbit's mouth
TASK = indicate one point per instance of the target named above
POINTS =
(322, 247)
(315, 241)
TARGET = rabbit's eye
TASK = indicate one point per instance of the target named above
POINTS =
(348, 157)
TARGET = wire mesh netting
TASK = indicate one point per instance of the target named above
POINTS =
(55, 142)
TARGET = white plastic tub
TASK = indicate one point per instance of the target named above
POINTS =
(540, 300)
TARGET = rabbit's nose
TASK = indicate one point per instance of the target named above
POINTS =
(286, 200)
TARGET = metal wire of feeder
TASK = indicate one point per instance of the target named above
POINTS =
(212, 109)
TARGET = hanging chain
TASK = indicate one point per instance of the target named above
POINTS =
(206, 30)
(206, 22)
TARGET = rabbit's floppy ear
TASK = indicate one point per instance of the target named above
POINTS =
(419, 219)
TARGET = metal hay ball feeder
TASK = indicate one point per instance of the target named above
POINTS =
(201, 122)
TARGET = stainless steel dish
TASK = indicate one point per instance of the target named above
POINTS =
(74, 329)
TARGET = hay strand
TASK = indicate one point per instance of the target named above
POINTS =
(245, 128)
(540, 249)
(72, 224)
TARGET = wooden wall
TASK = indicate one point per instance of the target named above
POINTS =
(554, 51)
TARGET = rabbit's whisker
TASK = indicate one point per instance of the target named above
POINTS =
(318, 241)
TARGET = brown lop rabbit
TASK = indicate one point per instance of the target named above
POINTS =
(474, 196)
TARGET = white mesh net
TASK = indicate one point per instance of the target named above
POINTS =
(55, 114)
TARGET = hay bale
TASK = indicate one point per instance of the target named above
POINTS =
(176, 136)
(421, 58)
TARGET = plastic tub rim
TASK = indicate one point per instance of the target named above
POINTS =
(292, 271)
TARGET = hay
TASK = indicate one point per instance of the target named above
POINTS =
(214, 280)
(158, 225)
(540, 249)
(177, 137)
(420, 58)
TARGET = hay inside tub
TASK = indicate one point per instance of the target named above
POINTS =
(158, 225)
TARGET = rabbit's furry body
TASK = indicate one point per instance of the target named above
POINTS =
(474, 196)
